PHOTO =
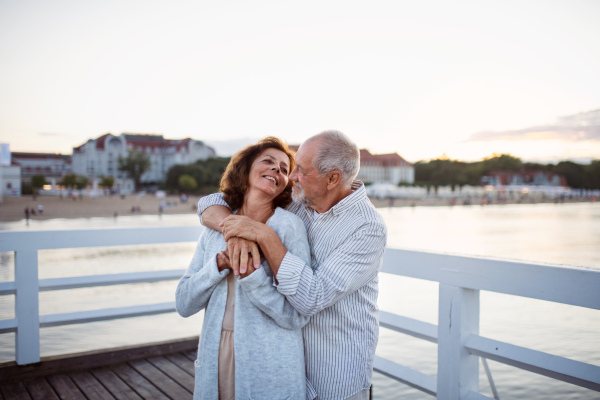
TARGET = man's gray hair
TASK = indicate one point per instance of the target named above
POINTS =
(336, 152)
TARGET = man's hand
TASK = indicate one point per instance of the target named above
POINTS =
(241, 254)
(241, 226)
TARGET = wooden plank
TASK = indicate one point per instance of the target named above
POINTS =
(191, 355)
(15, 391)
(408, 376)
(90, 386)
(408, 326)
(568, 285)
(114, 384)
(174, 372)
(163, 382)
(182, 362)
(61, 239)
(555, 367)
(27, 307)
(105, 314)
(40, 389)
(458, 316)
(138, 383)
(65, 388)
(93, 359)
(76, 282)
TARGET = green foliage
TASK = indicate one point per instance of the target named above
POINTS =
(502, 162)
(135, 164)
(107, 182)
(444, 172)
(207, 174)
(38, 181)
(75, 181)
(187, 182)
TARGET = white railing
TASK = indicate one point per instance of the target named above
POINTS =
(457, 334)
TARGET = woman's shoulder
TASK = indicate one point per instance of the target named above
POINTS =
(282, 216)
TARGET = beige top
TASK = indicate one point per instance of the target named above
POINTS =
(226, 354)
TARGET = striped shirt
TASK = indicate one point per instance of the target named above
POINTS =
(339, 292)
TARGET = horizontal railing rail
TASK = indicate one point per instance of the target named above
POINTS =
(457, 333)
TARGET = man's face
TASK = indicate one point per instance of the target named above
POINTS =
(309, 186)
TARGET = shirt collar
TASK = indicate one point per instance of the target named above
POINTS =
(358, 194)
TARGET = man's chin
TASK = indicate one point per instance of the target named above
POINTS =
(299, 197)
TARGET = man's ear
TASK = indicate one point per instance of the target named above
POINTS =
(333, 179)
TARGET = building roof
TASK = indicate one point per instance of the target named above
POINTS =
(37, 156)
(366, 158)
(385, 160)
(141, 140)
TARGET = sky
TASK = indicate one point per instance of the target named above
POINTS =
(425, 79)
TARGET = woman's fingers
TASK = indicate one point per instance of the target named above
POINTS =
(255, 253)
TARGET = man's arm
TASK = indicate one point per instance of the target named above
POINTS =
(212, 210)
(345, 270)
(270, 244)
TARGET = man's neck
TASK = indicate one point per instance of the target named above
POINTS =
(331, 200)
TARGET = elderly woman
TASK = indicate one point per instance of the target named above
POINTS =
(251, 344)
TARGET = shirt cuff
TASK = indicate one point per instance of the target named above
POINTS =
(255, 280)
(289, 274)
(208, 201)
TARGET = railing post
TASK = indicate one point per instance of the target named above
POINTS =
(458, 371)
(27, 308)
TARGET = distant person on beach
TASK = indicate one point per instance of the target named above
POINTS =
(338, 288)
(27, 213)
(268, 362)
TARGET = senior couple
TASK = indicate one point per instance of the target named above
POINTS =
(289, 282)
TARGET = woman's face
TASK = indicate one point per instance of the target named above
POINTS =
(269, 172)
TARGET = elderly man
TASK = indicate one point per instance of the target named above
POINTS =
(339, 293)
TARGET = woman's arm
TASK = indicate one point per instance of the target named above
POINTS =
(198, 282)
(259, 286)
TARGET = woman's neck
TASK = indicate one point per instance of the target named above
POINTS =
(257, 207)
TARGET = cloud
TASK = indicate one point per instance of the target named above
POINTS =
(573, 128)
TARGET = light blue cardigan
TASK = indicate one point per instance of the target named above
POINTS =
(268, 345)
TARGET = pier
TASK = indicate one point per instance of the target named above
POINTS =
(156, 371)
(461, 349)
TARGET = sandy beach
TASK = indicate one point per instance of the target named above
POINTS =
(13, 208)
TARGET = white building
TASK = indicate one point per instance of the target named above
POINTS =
(100, 157)
(10, 180)
(385, 168)
(52, 166)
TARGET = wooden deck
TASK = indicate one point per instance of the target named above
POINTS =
(157, 371)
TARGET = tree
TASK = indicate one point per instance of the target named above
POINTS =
(107, 182)
(37, 182)
(502, 162)
(69, 180)
(187, 182)
(207, 174)
(135, 164)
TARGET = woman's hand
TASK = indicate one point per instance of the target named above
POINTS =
(223, 261)
(242, 253)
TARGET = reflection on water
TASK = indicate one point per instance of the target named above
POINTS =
(545, 233)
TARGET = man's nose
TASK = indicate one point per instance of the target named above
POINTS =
(293, 175)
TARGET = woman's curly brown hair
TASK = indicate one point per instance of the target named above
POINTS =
(235, 179)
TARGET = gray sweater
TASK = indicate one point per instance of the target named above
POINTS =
(268, 345)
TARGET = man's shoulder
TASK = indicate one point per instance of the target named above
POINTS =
(285, 217)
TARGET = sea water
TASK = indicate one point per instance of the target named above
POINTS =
(566, 234)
